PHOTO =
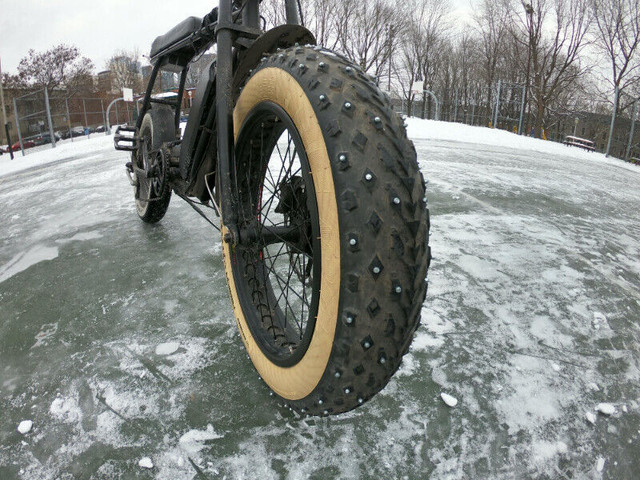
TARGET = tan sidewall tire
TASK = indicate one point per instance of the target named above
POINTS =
(296, 382)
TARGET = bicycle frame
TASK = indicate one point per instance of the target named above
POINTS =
(241, 43)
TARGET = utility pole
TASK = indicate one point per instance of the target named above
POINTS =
(4, 115)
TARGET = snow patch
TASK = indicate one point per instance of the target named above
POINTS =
(599, 321)
(195, 440)
(167, 348)
(24, 260)
(25, 426)
(65, 409)
(145, 462)
(449, 400)
(606, 408)
(47, 331)
(80, 237)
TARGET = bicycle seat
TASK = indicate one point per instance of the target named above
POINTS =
(177, 33)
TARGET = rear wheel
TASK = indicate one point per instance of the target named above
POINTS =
(328, 290)
(151, 170)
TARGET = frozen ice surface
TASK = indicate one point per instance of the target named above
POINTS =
(534, 245)
(25, 426)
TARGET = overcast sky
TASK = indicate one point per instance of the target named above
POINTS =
(96, 28)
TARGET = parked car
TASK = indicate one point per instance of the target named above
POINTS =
(25, 143)
(101, 129)
(77, 131)
(44, 138)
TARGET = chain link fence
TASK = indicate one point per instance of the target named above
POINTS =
(504, 107)
(43, 119)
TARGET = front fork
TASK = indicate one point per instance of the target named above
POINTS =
(224, 107)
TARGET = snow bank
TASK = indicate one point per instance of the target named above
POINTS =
(419, 129)
(80, 148)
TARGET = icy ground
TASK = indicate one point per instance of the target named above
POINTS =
(117, 339)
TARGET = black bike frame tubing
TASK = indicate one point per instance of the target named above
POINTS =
(179, 99)
(224, 108)
(147, 95)
(224, 97)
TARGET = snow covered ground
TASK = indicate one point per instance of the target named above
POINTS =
(117, 339)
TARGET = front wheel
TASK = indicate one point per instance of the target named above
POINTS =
(328, 288)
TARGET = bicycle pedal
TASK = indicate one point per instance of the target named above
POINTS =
(127, 143)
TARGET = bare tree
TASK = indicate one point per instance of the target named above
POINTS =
(366, 31)
(555, 34)
(617, 36)
(125, 70)
(423, 41)
(322, 19)
(492, 21)
(60, 67)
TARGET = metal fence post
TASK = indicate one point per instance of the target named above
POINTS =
(104, 119)
(66, 102)
(613, 121)
(633, 126)
(15, 110)
(117, 122)
(495, 114)
(84, 107)
(521, 111)
(48, 109)
(455, 110)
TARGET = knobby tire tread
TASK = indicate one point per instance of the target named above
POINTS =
(378, 313)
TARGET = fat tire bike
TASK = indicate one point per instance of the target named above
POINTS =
(323, 215)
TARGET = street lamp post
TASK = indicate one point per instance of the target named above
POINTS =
(529, 11)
